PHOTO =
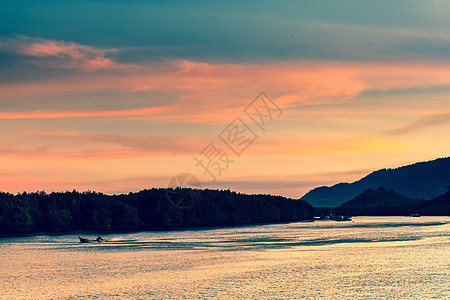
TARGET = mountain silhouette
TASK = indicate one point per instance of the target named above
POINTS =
(379, 202)
(382, 202)
(423, 180)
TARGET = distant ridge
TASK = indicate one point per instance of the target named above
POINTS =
(382, 202)
(422, 180)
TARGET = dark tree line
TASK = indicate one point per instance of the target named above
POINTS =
(144, 210)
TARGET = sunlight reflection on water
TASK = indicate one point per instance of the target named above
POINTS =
(370, 258)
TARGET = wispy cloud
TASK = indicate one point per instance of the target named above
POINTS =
(423, 123)
(294, 185)
(59, 54)
(61, 153)
(142, 144)
(63, 145)
(327, 146)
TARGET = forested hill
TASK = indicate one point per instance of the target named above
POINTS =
(155, 209)
(424, 180)
(382, 202)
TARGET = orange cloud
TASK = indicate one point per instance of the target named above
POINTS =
(62, 153)
(212, 92)
(229, 85)
(64, 145)
(81, 114)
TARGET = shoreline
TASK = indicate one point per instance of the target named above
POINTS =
(178, 229)
(105, 232)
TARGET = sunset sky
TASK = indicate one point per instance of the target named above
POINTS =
(118, 96)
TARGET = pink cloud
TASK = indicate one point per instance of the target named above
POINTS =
(60, 54)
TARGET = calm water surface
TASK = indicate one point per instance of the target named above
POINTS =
(370, 258)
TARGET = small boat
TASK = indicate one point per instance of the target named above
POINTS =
(99, 239)
(341, 218)
(415, 215)
(84, 240)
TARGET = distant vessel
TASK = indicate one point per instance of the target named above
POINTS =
(340, 218)
(415, 215)
(334, 218)
(99, 239)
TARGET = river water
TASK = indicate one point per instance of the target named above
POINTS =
(369, 258)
